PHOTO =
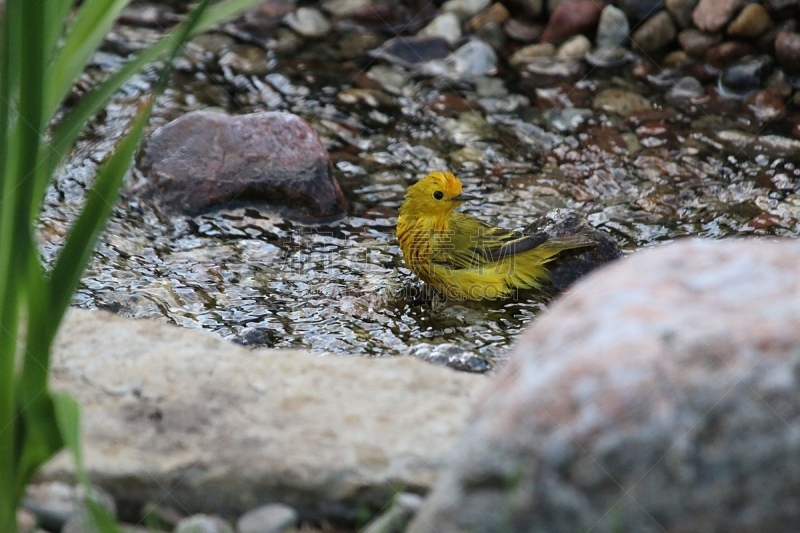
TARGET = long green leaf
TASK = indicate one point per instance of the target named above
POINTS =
(72, 124)
(92, 23)
(55, 22)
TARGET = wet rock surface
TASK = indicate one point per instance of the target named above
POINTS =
(206, 160)
(185, 419)
(659, 394)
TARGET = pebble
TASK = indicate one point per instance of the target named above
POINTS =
(621, 102)
(548, 71)
(574, 48)
(411, 51)
(468, 128)
(497, 13)
(475, 58)
(767, 105)
(613, 27)
(787, 50)
(752, 21)
(493, 35)
(609, 56)
(465, 8)
(527, 53)
(272, 518)
(523, 30)
(655, 34)
(713, 15)
(685, 90)
(696, 43)
(247, 60)
(343, 8)
(725, 53)
(571, 17)
(447, 26)
(681, 11)
(746, 76)
(308, 22)
(640, 10)
(54, 503)
(202, 523)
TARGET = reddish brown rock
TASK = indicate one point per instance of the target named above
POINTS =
(713, 15)
(767, 105)
(571, 17)
(787, 49)
(206, 160)
(727, 53)
(660, 394)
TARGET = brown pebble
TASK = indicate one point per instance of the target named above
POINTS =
(696, 43)
(655, 33)
(787, 49)
(751, 22)
(726, 53)
(571, 17)
(766, 105)
(522, 30)
(496, 13)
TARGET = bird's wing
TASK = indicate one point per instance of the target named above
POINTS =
(470, 243)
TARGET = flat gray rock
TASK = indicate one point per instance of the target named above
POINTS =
(184, 418)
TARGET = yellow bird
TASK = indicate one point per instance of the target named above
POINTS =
(464, 258)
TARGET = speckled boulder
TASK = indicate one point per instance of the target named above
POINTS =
(206, 160)
(661, 394)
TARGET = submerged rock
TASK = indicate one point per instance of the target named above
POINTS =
(206, 160)
(660, 394)
(571, 265)
(571, 17)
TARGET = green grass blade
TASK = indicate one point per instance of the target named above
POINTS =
(58, 10)
(92, 22)
(70, 127)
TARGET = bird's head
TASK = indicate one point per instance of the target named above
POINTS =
(434, 195)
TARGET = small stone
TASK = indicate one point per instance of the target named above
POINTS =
(522, 30)
(767, 105)
(787, 49)
(343, 8)
(713, 15)
(613, 27)
(766, 43)
(677, 58)
(272, 518)
(54, 503)
(201, 523)
(548, 71)
(681, 11)
(723, 54)
(686, 89)
(475, 58)
(205, 160)
(493, 35)
(308, 22)
(752, 21)
(621, 102)
(465, 156)
(497, 13)
(639, 10)
(527, 53)
(655, 33)
(465, 8)
(447, 26)
(696, 43)
(609, 56)
(468, 128)
(574, 48)
(746, 76)
(412, 51)
(571, 17)
(247, 60)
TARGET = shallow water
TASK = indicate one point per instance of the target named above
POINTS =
(263, 281)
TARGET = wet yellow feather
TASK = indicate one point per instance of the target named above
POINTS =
(464, 258)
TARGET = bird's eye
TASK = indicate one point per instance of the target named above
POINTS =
(438, 195)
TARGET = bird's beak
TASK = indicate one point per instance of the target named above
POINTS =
(464, 198)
